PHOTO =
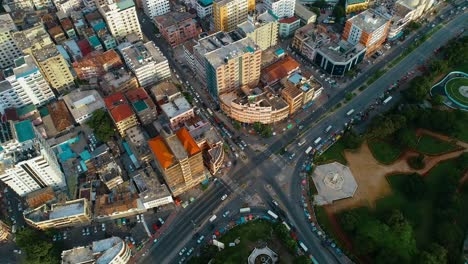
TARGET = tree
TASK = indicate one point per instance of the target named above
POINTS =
(349, 220)
(316, 10)
(236, 125)
(416, 162)
(406, 137)
(437, 100)
(384, 126)
(351, 140)
(414, 186)
(102, 126)
(320, 4)
(301, 260)
(37, 246)
(435, 254)
(439, 66)
(339, 12)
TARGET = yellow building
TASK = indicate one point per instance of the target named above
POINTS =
(227, 14)
(262, 29)
(294, 97)
(356, 5)
(4, 231)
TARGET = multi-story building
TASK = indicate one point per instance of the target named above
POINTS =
(104, 167)
(177, 110)
(66, 6)
(5, 231)
(293, 97)
(232, 66)
(111, 250)
(309, 87)
(281, 8)
(153, 8)
(83, 103)
(151, 192)
(97, 64)
(146, 61)
(24, 84)
(59, 215)
(57, 34)
(143, 105)
(27, 162)
(17, 5)
(262, 29)
(227, 14)
(304, 14)
(122, 201)
(180, 160)
(287, 26)
(204, 8)
(352, 6)
(136, 140)
(121, 18)
(176, 27)
(368, 28)
(8, 49)
(43, 4)
(118, 81)
(121, 112)
(67, 26)
(36, 42)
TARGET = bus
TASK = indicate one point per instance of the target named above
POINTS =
(301, 142)
(245, 210)
(313, 259)
(304, 248)
(317, 140)
(209, 111)
(272, 214)
(212, 218)
(308, 150)
(387, 100)
(328, 129)
(287, 226)
(350, 112)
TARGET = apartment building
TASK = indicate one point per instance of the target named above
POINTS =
(118, 80)
(281, 8)
(27, 162)
(111, 250)
(177, 110)
(154, 8)
(180, 160)
(204, 8)
(368, 28)
(136, 140)
(143, 105)
(15, 5)
(83, 103)
(121, 18)
(304, 14)
(356, 5)
(262, 29)
(287, 26)
(121, 112)
(59, 215)
(227, 14)
(103, 166)
(97, 64)
(151, 192)
(146, 61)
(177, 27)
(8, 49)
(24, 84)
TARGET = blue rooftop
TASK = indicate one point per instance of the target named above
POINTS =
(99, 26)
(24, 131)
(94, 41)
(295, 78)
(279, 52)
(205, 3)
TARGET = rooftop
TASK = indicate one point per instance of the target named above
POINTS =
(101, 251)
(288, 20)
(114, 100)
(333, 181)
(6, 23)
(173, 19)
(215, 41)
(148, 186)
(257, 21)
(279, 70)
(24, 131)
(57, 211)
(121, 112)
(82, 103)
(187, 141)
(236, 49)
(161, 151)
(176, 107)
(205, 3)
(140, 55)
(368, 21)
(60, 115)
(165, 90)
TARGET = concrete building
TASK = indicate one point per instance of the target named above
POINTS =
(117, 81)
(97, 64)
(43, 4)
(310, 88)
(180, 160)
(121, 112)
(122, 201)
(111, 250)
(334, 182)
(8, 49)
(287, 26)
(146, 61)
(263, 255)
(165, 92)
(23, 85)
(5, 231)
(262, 29)
(83, 103)
(280, 69)
(103, 166)
(232, 66)
(154, 8)
(121, 18)
(369, 28)
(227, 14)
(151, 192)
(59, 215)
(177, 110)
(294, 97)
(304, 14)
(67, 6)
(136, 139)
(27, 162)
(143, 105)
(354, 6)
(204, 8)
(17, 5)
(36, 42)
(281, 8)
(176, 27)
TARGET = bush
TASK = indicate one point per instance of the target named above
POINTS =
(416, 162)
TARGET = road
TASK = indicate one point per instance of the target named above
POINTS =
(261, 170)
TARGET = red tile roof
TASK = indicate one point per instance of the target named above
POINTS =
(121, 112)
(114, 100)
(279, 70)
(288, 20)
(161, 151)
(136, 95)
(85, 47)
(187, 141)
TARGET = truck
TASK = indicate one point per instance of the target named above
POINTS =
(328, 129)
(350, 112)
(387, 100)
(212, 218)
(308, 150)
(287, 226)
(302, 142)
(273, 215)
(317, 140)
(245, 210)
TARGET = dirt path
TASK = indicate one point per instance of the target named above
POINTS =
(460, 143)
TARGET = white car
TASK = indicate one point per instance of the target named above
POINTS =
(224, 197)
(190, 251)
(182, 251)
(161, 220)
(226, 214)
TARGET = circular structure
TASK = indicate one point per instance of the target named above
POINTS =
(334, 180)
(454, 88)
(457, 90)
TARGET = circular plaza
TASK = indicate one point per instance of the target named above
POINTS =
(454, 87)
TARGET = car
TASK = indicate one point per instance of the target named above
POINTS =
(103, 227)
(161, 220)
(275, 203)
(189, 252)
(54, 238)
(200, 239)
(84, 231)
(182, 251)
(138, 218)
(224, 197)
(155, 227)
(87, 231)
(155, 241)
(226, 214)
(65, 235)
(243, 143)
(95, 229)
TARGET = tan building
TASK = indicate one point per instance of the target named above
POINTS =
(180, 160)
(122, 201)
(177, 110)
(5, 231)
(137, 142)
(293, 97)
(143, 105)
(309, 87)
(111, 250)
(103, 166)
(121, 112)
(59, 215)
(262, 29)
(227, 14)
(356, 5)
(36, 42)
(118, 81)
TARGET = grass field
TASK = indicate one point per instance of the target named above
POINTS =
(433, 146)
(334, 153)
(453, 87)
(383, 151)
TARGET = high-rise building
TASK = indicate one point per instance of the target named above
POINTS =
(27, 163)
(8, 49)
(180, 160)
(227, 14)
(232, 66)
(153, 8)
(262, 29)
(281, 8)
(121, 18)
(36, 42)
(24, 84)
(146, 61)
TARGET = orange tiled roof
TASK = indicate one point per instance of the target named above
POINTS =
(114, 100)
(135, 95)
(121, 112)
(288, 20)
(279, 69)
(161, 151)
(187, 141)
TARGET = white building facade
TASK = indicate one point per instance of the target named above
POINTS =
(153, 8)
(121, 18)
(281, 8)
(8, 49)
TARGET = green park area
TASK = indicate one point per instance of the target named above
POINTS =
(454, 90)
(384, 151)
(433, 146)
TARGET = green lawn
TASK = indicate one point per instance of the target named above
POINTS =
(453, 87)
(383, 151)
(334, 153)
(433, 146)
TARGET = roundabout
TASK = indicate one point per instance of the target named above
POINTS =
(457, 89)
(454, 87)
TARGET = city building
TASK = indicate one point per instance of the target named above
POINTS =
(57, 34)
(121, 112)
(121, 18)
(368, 28)
(304, 14)
(154, 8)
(176, 27)
(180, 160)
(204, 8)
(164, 92)
(8, 49)
(136, 139)
(17, 5)
(27, 162)
(354, 6)
(97, 64)
(5, 231)
(287, 26)
(111, 250)
(227, 14)
(40, 197)
(67, 26)
(262, 29)
(23, 85)
(310, 88)
(43, 4)
(146, 61)
(143, 105)
(36, 42)
(83, 103)
(281, 8)
(293, 97)
(122, 201)
(103, 165)
(282, 68)
(59, 215)
(232, 66)
(61, 118)
(66, 6)
(177, 110)
(118, 80)
(151, 192)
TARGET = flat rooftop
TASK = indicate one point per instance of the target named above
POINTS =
(259, 21)
(148, 186)
(140, 55)
(369, 20)
(83, 102)
(176, 107)
(57, 211)
(173, 19)
(333, 181)
(234, 50)
(342, 51)
(101, 251)
(215, 41)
